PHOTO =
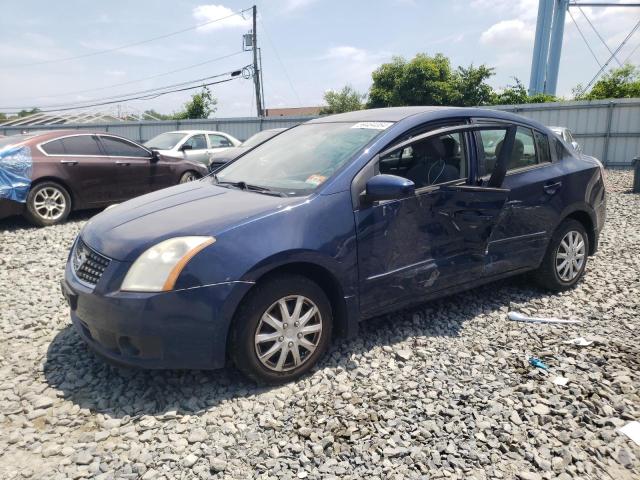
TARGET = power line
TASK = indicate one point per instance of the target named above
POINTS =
(134, 44)
(55, 107)
(631, 54)
(284, 69)
(598, 34)
(585, 39)
(106, 87)
(626, 39)
(143, 97)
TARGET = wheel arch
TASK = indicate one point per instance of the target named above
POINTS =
(587, 221)
(342, 319)
(62, 183)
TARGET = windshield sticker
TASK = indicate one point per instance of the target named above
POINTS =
(315, 180)
(373, 125)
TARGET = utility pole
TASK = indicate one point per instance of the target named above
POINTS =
(256, 68)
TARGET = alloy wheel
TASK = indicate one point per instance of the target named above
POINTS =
(570, 256)
(49, 203)
(288, 333)
(188, 177)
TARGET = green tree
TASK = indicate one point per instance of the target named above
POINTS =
(517, 94)
(622, 82)
(429, 80)
(201, 105)
(26, 113)
(160, 116)
(470, 87)
(345, 100)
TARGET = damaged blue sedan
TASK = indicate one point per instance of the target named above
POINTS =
(332, 222)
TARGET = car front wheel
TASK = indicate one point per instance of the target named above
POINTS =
(189, 177)
(281, 330)
(48, 203)
(566, 258)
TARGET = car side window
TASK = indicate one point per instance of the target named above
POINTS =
(118, 147)
(431, 161)
(524, 150)
(489, 143)
(217, 141)
(81, 145)
(197, 142)
(54, 147)
(542, 146)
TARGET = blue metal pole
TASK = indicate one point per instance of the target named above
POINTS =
(541, 46)
(555, 49)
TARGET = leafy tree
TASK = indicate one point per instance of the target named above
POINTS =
(345, 100)
(517, 94)
(429, 80)
(622, 82)
(201, 105)
(470, 87)
(26, 113)
(160, 116)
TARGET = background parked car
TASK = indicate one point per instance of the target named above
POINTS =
(46, 175)
(567, 136)
(194, 145)
(220, 158)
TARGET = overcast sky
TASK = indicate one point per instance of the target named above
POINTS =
(308, 46)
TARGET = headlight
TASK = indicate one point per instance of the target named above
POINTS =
(157, 269)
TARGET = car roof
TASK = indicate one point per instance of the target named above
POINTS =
(42, 135)
(197, 131)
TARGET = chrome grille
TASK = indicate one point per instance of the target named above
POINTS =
(87, 264)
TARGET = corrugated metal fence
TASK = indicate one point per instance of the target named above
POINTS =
(608, 130)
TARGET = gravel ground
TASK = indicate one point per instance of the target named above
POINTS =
(442, 391)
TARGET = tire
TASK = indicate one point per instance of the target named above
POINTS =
(245, 347)
(189, 176)
(48, 203)
(569, 240)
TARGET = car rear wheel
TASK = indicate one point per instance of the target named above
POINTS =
(281, 330)
(48, 203)
(566, 258)
(189, 177)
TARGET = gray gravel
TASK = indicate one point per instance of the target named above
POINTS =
(442, 391)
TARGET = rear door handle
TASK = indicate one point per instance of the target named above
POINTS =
(124, 164)
(69, 162)
(552, 188)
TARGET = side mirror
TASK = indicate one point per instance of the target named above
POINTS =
(186, 146)
(155, 156)
(388, 187)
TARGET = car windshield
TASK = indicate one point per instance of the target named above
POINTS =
(259, 138)
(298, 161)
(165, 141)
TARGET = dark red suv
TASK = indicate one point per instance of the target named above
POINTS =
(46, 175)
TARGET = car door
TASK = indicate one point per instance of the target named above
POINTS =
(411, 248)
(134, 165)
(217, 143)
(197, 148)
(534, 204)
(90, 173)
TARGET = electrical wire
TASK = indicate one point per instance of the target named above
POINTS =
(144, 97)
(626, 39)
(585, 39)
(129, 82)
(598, 34)
(631, 54)
(122, 47)
(284, 69)
(55, 107)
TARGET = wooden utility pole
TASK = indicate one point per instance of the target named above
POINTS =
(256, 69)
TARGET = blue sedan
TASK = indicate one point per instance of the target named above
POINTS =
(330, 223)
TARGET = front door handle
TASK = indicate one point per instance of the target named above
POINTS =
(69, 162)
(123, 164)
(552, 188)
(472, 216)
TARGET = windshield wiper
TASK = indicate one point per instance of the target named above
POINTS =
(247, 186)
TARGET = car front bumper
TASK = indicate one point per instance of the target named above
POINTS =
(9, 208)
(184, 329)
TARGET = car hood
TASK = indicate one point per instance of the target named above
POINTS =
(196, 208)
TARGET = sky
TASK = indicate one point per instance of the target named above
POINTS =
(307, 46)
